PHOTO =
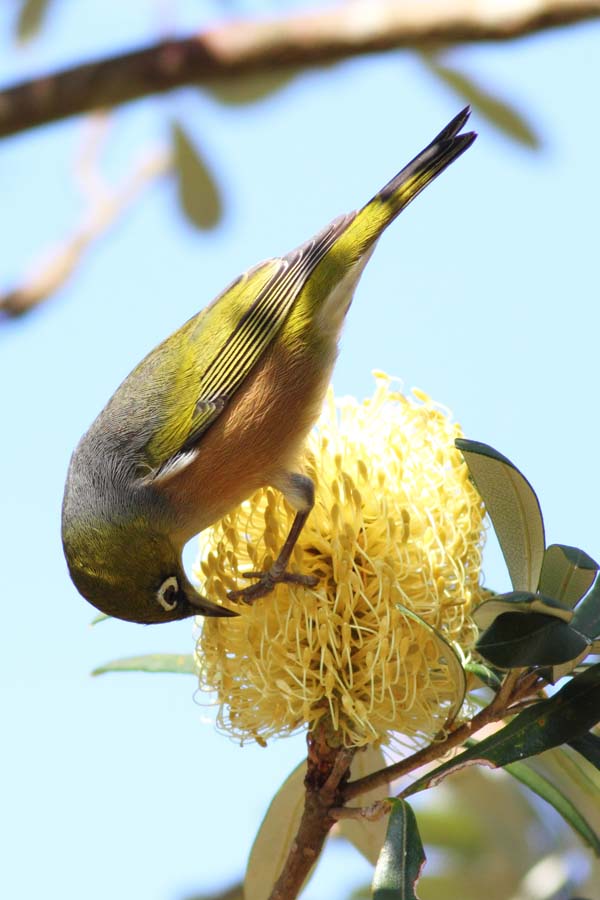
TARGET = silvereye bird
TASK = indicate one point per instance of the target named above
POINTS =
(220, 409)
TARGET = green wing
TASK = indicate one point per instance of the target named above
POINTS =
(189, 379)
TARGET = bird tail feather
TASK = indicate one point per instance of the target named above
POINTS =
(389, 202)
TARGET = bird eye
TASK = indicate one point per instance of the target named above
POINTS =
(167, 593)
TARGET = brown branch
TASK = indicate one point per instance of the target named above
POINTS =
(327, 770)
(246, 47)
(327, 789)
(512, 691)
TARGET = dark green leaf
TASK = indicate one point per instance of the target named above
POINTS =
(402, 857)
(485, 675)
(31, 18)
(544, 788)
(250, 89)
(520, 602)
(589, 747)
(177, 663)
(567, 573)
(497, 111)
(571, 712)
(513, 508)
(514, 640)
(199, 194)
(587, 615)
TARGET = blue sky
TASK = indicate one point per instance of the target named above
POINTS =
(484, 294)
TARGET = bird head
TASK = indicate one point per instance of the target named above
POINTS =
(133, 573)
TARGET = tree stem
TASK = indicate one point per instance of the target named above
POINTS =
(327, 771)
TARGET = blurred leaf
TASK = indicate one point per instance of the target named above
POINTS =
(577, 778)
(176, 663)
(235, 892)
(199, 194)
(501, 813)
(513, 508)
(514, 640)
(367, 837)
(447, 655)
(545, 789)
(402, 857)
(496, 110)
(519, 602)
(452, 828)
(588, 745)
(31, 18)
(486, 675)
(587, 615)
(101, 617)
(567, 573)
(275, 836)
(361, 893)
(453, 885)
(571, 712)
(250, 88)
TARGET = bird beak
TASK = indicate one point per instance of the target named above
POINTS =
(202, 606)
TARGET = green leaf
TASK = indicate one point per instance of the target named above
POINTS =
(519, 602)
(31, 18)
(199, 194)
(571, 712)
(575, 776)
(447, 656)
(498, 111)
(513, 508)
(176, 663)
(250, 88)
(567, 573)
(275, 836)
(544, 788)
(485, 675)
(402, 857)
(588, 745)
(101, 617)
(367, 837)
(514, 640)
(587, 615)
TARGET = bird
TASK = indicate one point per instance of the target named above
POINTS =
(220, 409)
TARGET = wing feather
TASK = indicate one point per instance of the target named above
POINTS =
(207, 388)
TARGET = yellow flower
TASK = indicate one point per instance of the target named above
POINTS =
(395, 539)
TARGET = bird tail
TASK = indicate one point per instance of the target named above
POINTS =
(383, 208)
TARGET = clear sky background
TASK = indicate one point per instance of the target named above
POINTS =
(484, 294)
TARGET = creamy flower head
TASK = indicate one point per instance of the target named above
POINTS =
(395, 539)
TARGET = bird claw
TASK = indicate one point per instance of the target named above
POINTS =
(266, 583)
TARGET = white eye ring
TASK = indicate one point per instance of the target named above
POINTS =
(168, 584)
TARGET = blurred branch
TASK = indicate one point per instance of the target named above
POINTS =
(105, 205)
(244, 47)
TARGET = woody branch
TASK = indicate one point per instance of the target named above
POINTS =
(245, 47)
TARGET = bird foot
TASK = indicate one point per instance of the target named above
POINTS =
(266, 583)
